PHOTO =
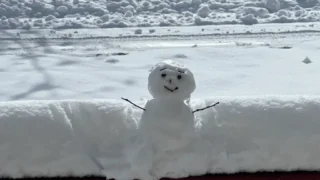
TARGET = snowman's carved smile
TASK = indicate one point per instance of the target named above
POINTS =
(171, 90)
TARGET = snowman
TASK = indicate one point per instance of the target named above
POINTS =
(167, 123)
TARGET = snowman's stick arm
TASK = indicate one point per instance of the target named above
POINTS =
(201, 109)
(133, 103)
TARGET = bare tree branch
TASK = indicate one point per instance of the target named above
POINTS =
(132, 103)
(201, 109)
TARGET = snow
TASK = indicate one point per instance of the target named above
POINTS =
(159, 143)
(86, 64)
(273, 5)
(66, 64)
(150, 13)
(203, 11)
(61, 104)
(248, 133)
(307, 60)
(249, 20)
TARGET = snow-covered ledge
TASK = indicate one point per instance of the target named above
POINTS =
(54, 138)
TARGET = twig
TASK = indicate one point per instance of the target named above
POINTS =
(133, 103)
(201, 109)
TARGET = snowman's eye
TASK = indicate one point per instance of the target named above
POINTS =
(163, 75)
(179, 76)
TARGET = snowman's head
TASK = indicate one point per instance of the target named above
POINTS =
(169, 79)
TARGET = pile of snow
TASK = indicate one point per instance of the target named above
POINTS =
(146, 13)
(57, 138)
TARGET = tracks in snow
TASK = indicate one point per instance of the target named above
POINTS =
(170, 37)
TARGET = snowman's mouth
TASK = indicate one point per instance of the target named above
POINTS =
(171, 90)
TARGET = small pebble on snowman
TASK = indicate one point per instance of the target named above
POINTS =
(167, 123)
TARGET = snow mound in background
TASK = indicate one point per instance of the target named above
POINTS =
(146, 13)
(48, 138)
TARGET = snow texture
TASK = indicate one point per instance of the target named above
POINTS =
(76, 64)
(51, 138)
(166, 131)
(250, 130)
(62, 14)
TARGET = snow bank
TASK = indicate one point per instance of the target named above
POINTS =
(63, 14)
(47, 138)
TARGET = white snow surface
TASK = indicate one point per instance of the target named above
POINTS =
(248, 61)
(247, 133)
(64, 14)
(61, 89)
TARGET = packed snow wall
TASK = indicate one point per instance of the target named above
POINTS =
(55, 138)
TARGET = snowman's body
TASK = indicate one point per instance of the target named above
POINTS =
(167, 124)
